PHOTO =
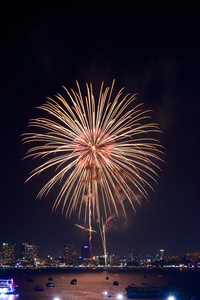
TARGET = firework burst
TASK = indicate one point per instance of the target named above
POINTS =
(101, 151)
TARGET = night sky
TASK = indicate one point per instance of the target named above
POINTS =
(150, 49)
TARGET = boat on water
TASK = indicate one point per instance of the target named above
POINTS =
(146, 291)
(73, 282)
(7, 286)
(50, 284)
(38, 288)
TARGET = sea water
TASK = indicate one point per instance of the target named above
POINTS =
(92, 285)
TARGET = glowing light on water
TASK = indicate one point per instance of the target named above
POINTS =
(171, 298)
(105, 293)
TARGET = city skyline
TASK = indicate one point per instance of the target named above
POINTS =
(72, 257)
(149, 50)
(23, 250)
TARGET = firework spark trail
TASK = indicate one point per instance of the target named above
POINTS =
(99, 151)
(90, 219)
(87, 229)
(103, 238)
(103, 227)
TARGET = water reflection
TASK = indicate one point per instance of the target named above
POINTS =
(8, 297)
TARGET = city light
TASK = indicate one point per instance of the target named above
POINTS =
(56, 298)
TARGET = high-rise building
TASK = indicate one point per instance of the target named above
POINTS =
(160, 254)
(114, 259)
(70, 255)
(8, 253)
(133, 258)
(193, 256)
(85, 251)
(22, 251)
(29, 252)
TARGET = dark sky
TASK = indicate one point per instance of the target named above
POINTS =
(149, 48)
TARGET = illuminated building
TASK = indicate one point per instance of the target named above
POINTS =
(171, 258)
(100, 260)
(147, 259)
(29, 252)
(193, 256)
(113, 259)
(116, 259)
(22, 251)
(133, 259)
(70, 255)
(85, 251)
(8, 253)
(160, 254)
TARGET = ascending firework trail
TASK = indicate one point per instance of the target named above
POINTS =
(103, 227)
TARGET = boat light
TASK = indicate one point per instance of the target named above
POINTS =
(3, 291)
(105, 293)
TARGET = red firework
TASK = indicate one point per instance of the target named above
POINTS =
(93, 147)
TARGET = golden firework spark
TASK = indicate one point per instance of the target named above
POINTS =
(98, 149)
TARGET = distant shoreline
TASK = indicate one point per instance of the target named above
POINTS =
(88, 269)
